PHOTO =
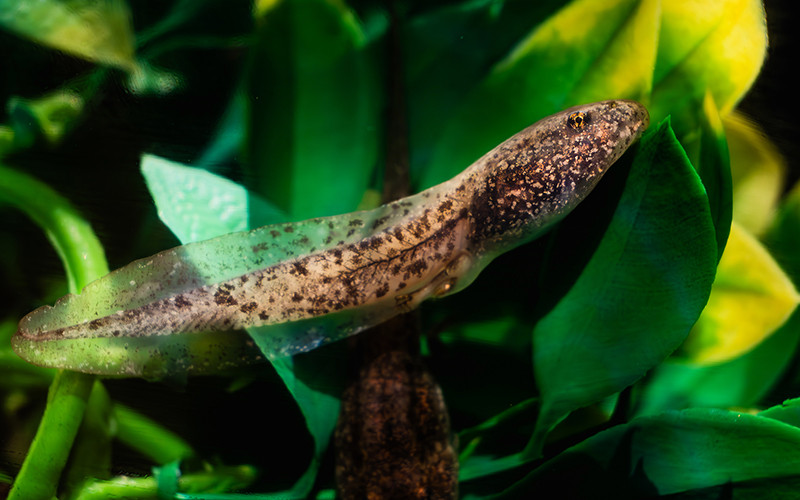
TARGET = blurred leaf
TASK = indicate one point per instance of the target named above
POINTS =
(751, 297)
(6, 139)
(783, 237)
(51, 116)
(198, 205)
(499, 330)
(589, 51)
(148, 437)
(147, 79)
(229, 136)
(96, 30)
(740, 382)
(697, 453)
(166, 477)
(713, 165)
(640, 293)
(758, 171)
(706, 45)
(314, 109)
(448, 52)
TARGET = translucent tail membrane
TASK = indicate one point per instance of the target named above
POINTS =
(297, 286)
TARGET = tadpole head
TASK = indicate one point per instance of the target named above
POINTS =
(537, 176)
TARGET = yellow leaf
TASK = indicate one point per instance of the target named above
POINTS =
(751, 297)
(96, 30)
(594, 50)
(757, 170)
(707, 45)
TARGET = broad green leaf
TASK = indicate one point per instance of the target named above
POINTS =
(741, 382)
(751, 297)
(96, 30)
(706, 45)
(588, 51)
(190, 202)
(314, 109)
(758, 172)
(640, 293)
(202, 205)
(697, 453)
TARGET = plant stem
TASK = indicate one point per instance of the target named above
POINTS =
(84, 260)
(50, 449)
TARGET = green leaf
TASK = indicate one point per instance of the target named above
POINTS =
(314, 109)
(751, 297)
(706, 45)
(166, 478)
(148, 437)
(189, 202)
(640, 293)
(589, 51)
(307, 378)
(96, 30)
(473, 461)
(198, 205)
(698, 453)
(745, 380)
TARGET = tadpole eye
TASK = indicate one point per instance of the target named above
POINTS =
(578, 120)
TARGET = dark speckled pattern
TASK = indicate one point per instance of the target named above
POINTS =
(370, 265)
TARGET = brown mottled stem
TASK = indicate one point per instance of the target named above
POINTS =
(393, 437)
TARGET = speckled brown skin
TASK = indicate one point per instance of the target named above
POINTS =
(393, 437)
(348, 272)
